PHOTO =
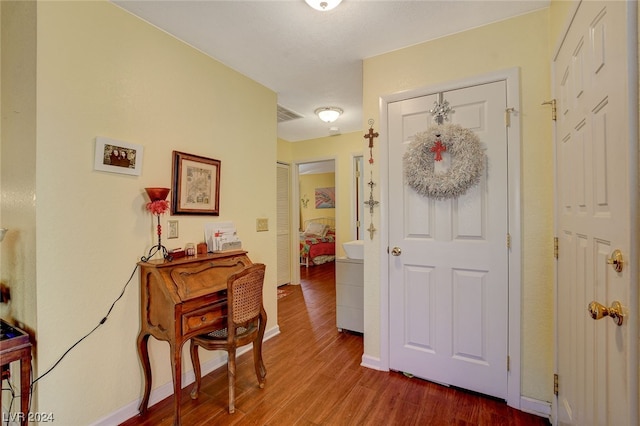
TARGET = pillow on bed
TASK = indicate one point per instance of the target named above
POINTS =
(315, 229)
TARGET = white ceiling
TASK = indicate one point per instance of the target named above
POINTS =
(313, 59)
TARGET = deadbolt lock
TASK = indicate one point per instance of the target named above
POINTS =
(616, 260)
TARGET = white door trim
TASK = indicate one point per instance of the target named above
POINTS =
(512, 78)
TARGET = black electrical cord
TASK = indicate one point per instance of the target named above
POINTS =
(13, 397)
(102, 321)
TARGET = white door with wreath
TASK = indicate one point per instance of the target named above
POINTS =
(448, 244)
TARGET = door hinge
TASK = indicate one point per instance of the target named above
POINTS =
(508, 240)
(357, 173)
(507, 116)
(556, 249)
(508, 363)
(555, 384)
(554, 111)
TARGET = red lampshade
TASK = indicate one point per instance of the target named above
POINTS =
(157, 194)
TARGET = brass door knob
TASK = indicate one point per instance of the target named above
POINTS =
(598, 310)
(396, 251)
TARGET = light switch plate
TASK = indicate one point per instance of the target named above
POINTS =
(173, 229)
(262, 224)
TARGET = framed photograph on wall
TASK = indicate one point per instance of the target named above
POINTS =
(118, 157)
(195, 185)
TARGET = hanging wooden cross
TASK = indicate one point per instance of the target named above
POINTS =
(438, 148)
(370, 136)
(371, 230)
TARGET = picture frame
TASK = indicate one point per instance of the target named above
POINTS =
(325, 198)
(195, 186)
(116, 156)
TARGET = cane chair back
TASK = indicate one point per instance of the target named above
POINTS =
(245, 323)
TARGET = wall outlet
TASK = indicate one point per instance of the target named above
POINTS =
(262, 224)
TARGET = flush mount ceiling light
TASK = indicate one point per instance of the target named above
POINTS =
(328, 114)
(323, 5)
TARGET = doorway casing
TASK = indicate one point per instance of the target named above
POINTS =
(295, 210)
(512, 79)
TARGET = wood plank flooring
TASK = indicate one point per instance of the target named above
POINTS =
(314, 377)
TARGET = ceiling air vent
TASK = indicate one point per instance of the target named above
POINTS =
(286, 115)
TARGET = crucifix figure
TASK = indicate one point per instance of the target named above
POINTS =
(438, 148)
(370, 136)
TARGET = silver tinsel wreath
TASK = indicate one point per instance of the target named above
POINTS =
(467, 162)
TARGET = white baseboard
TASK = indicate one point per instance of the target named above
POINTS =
(527, 405)
(373, 363)
(535, 406)
(158, 394)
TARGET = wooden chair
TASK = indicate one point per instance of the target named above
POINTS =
(245, 323)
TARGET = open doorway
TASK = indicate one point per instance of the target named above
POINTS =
(316, 183)
(306, 196)
(317, 212)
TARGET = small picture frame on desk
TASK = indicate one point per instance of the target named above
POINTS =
(195, 185)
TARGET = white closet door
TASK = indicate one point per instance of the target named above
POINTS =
(283, 225)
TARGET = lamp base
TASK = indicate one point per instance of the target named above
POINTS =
(157, 249)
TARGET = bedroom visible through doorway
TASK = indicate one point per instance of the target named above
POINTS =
(317, 212)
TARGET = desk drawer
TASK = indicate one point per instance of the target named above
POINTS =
(206, 317)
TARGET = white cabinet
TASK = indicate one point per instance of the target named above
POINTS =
(350, 294)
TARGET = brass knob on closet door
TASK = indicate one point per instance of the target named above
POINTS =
(598, 311)
(396, 251)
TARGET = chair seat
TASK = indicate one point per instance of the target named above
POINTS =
(223, 333)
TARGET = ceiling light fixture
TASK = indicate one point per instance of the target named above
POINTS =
(328, 114)
(323, 5)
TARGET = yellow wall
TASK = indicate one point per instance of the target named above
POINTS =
(342, 148)
(103, 72)
(118, 77)
(284, 151)
(519, 42)
(308, 185)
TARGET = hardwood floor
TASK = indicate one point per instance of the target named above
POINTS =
(314, 377)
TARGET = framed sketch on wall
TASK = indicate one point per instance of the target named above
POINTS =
(118, 157)
(195, 185)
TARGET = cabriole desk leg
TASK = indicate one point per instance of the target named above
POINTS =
(176, 366)
(143, 354)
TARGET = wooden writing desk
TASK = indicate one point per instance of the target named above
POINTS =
(15, 345)
(179, 300)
